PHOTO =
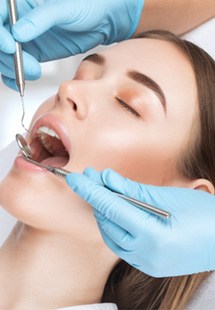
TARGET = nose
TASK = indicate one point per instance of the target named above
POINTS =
(71, 96)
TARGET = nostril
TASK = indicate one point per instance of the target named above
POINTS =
(73, 104)
(75, 108)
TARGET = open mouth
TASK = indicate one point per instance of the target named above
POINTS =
(48, 148)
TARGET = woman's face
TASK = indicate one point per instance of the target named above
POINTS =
(130, 108)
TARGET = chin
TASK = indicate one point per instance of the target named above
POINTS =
(45, 202)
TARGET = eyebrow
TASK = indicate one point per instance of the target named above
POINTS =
(148, 82)
(95, 58)
(134, 75)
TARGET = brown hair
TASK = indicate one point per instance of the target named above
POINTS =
(128, 287)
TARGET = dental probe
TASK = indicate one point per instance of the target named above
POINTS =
(18, 62)
(26, 151)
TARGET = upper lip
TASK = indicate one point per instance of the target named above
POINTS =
(53, 122)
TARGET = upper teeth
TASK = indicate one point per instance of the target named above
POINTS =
(48, 131)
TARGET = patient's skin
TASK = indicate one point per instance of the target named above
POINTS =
(57, 258)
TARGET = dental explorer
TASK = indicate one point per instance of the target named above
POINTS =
(26, 151)
(18, 60)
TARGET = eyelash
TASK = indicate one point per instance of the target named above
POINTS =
(127, 107)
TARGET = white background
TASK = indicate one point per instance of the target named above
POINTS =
(38, 91)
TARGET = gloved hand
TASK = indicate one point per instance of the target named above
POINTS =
(54, 29)
(182, 244)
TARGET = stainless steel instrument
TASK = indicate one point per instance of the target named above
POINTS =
(18, 62)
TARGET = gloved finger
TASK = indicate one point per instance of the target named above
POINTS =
(93, 175)
(116, 182)
(3, 9)
(11, 83)
(37, 21)
(7, 43)
(117, 234)
(7, 60)
(7, 71)
(127, 256)
(114, 208)
(32, 68)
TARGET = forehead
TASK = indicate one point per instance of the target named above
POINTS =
(150, 55)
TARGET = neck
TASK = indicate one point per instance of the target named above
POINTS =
(40, 270)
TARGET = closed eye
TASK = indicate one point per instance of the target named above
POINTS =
(127, 107)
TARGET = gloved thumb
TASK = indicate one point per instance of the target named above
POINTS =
(7, 43)
(40, 19)
(122, 185)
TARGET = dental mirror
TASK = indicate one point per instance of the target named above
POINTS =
(26, 151)
(23, 145)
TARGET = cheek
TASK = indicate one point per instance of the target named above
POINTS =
(138, 154)
(144, 163)
(46, 203)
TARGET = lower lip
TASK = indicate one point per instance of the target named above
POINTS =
(20, 162)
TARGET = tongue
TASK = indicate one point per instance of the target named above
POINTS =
(56, 161)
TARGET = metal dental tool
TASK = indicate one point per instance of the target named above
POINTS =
(23, 145)
(26, 151)
(18, 60)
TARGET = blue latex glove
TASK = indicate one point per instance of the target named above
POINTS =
(54, 29)
(183, 244)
